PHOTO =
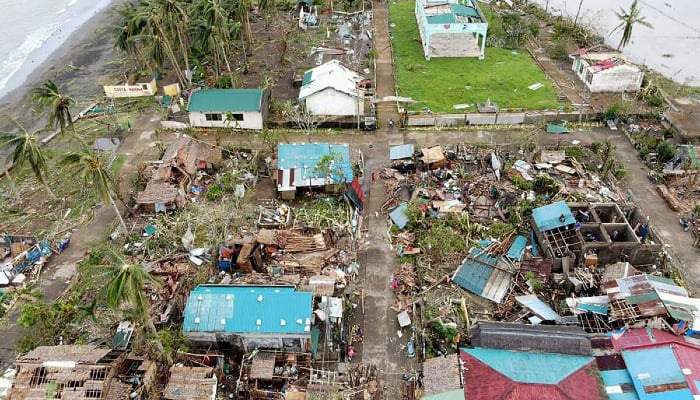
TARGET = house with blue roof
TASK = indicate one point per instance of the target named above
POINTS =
(229, 108)
(311, 165)
(453, 28)
(249, 317)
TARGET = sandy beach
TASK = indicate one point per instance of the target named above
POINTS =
(76, 67)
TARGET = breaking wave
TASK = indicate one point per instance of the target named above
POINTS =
(18, 56)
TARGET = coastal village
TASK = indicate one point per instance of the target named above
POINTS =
(349, 200)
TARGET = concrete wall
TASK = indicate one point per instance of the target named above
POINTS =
(332, 102)
(251, 120)
(617, 80)
(454, 45)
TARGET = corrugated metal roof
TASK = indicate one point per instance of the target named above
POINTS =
(484, 275)
(613, 380)
(305, 157)
(682, 308)
(332, 74)
(240, 308)
(398, 216)
(538, 307)
(401, 151)
(462, 10)
(221, 100)
(527, 367)
(548, 217)
(441, 19)
(655, 374)
(516, 249)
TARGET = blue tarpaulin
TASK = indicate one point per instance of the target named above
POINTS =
(399, 217)
(42, 249)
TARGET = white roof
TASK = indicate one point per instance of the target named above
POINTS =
(333, 75)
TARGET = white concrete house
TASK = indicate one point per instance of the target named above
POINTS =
(332, 89)
(603, 70)
(229, 108)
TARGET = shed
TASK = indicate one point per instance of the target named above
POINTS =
(604, 70)
(501, 374)
(484, 275)
(302, 165)
(332, 89)
(229, 108)
(191, 383)
(249, 316)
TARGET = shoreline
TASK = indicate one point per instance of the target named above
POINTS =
(88, 49)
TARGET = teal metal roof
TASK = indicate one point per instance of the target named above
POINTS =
(248, 309)
(307, 77)
(516, 249)
(618, 377)
(457, 394)
(401, 151)
(652, 370)
(222, 100)
(464, 11)
(528, 367)
(306, 156)
(547, 217)
(442, 19)
(398, 216)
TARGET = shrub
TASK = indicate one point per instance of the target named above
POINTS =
(665, 151)
(559, 50)
(656, 101)
(616, 111)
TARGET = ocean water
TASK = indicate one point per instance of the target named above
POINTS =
(670, 48)
(30, 30)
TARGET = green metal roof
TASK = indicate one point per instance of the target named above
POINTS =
(441, 19)
(221, 100)
(464, 11)
(530, 367)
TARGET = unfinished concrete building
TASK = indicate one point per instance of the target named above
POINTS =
(593, 234)
(452, 28)
(80, 372)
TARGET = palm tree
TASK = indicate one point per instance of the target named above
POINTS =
(24, 149)
(125, 283)
(48, 96)
(629, 18)
(95, 173)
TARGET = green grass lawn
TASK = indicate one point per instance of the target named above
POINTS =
(438, 84)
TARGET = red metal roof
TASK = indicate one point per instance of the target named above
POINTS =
(484, 383)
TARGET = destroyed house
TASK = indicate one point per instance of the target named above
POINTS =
(79, 372)
(332, 89)
(191, 383)
(511, 375)
(452, 28)
(229, 108)
(249, 317)
(603, 70)
(484, 275)
(309, 165)
(180, 163)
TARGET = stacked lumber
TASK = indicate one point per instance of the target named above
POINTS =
(293, 242)
(670, 198)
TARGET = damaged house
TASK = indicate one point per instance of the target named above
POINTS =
(80, 372)
(604, 70)
(452, 28)
(311, 165)
(249, 317)
(176, 171)
(332, 89)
